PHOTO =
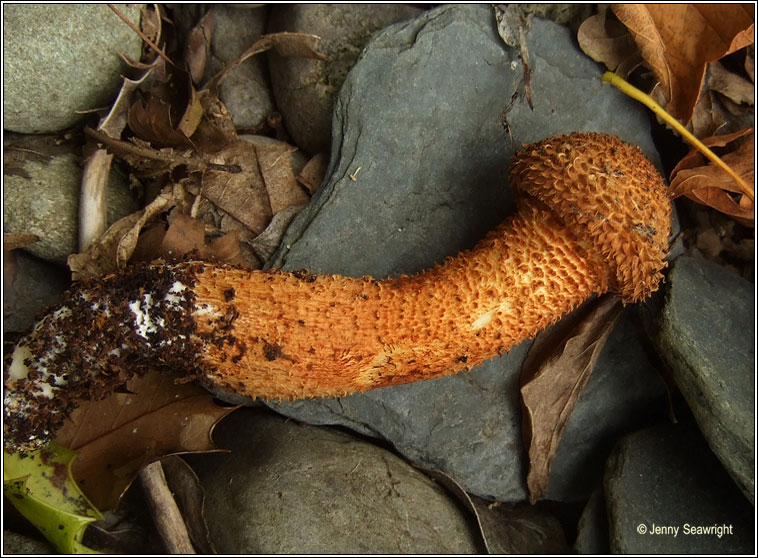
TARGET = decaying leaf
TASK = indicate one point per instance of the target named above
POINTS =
(314, 172)
(731, 85)
(678, 40)
(13, 241)
(553, 375)
(604, 38)
(40, 486)
(276, 170)
(709, 185)
(116, 436)
(190, 498)
(198, 44)
(285, 44)
(113, 249)
(152, 121)
(508, 529)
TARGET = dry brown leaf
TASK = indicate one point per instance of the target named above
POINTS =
(314, 172)
(285, 44)
(709, 185)
(553, 375)
(116, 436)
(281, 184)
(729, 84)
(198, 44)
(113, 249)
(152, 122)
(604, 38)
(13, 241)
(508, 529)
(243, 194)
(678, 40)
(184, 235)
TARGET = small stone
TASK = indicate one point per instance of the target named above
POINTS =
(43, 199)
(707, 337)
(306, 90)
(62, 59)
(666, 493)
(294, 489)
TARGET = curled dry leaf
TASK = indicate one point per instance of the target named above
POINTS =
(508, 529)
(705, 183)
(198, 44)
(678, 40)
(556, 369)
(110, 252)
(116, 436)
(281, 184)
(12, 241)
(314, 172)
(604, 38)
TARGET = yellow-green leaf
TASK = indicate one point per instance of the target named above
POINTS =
(41, 487)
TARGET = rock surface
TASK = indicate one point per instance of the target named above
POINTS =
(706, 304)
(62, 59)
(30, 285)
(43, 199)
(306, 90)
(663, 487)
(419, 116)
(246, 91)
(295, 489)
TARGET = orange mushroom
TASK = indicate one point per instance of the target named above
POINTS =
(593, 216)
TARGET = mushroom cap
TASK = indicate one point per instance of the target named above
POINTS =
(609, 194)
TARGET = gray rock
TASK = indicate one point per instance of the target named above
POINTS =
(44, 200)
(294, 489)
(664, 487)
(246, 92)
(16, 543)
(623, 391)
(420, 116)
(592, 529)
(306, 90)
(707, 336)
(30, 286)
(61, 59)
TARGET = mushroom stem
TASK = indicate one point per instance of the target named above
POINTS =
(284, 335)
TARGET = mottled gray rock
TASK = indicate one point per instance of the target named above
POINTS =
(305, 90)
(16, 543)
(666, 493)
(43, 199)
(592, 529)
(707, 336)
(295, 489)
(246, 91)
(31, 285)
(61, 59)
(623, 391)
(420, 116)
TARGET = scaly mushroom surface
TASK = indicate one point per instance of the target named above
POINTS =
(593, 216)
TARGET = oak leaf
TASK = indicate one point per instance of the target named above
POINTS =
(678, 40)
(116, 436)
(709, 185)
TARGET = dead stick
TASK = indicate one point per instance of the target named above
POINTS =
(168, 519)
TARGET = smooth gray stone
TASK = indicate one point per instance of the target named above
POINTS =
(662, 485)
(62, 59)
(45, 202)
(417, 124)
(298, 489)
(707, 336)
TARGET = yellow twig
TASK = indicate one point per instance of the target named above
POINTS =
(646, 100)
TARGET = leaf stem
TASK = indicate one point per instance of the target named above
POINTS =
(634, 93)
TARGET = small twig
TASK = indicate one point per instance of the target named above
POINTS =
(168, 518)
(144, 37)
(646, 100)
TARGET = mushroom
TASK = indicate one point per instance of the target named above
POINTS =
(593, 216)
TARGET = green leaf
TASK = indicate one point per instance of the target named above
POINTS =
(41, 487)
